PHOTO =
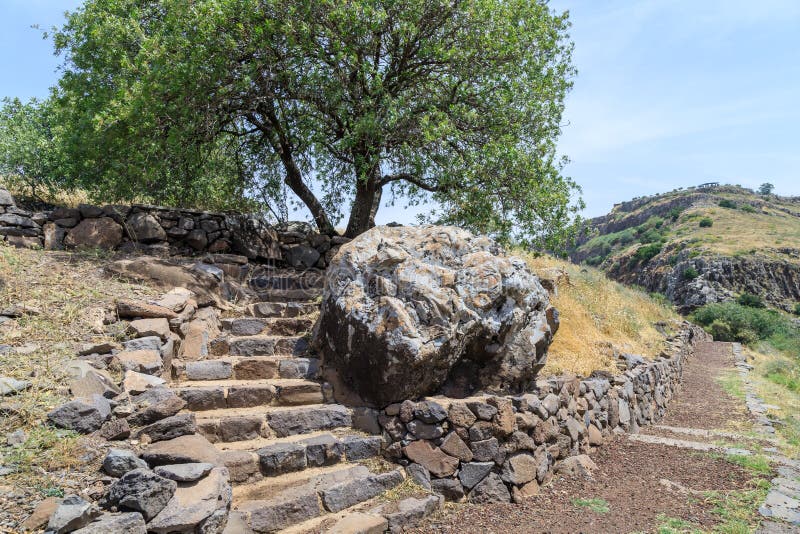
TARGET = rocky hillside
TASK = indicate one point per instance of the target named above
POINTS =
(701, 245)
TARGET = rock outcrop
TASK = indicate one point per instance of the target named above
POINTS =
(408, 312)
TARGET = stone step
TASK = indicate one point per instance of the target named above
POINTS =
(243, 424)
(309, 295)
(282, 280)
(274, 506)
(203, 395)
(282, 309)
(267, 345)
(246, 368)
(254, 459)
(278, 326)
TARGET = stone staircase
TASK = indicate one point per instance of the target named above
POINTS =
(294, 458)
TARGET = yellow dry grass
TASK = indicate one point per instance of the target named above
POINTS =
(598, 317)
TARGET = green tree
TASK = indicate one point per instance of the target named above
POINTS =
(766, 189)
(29, 155)
(456, 102)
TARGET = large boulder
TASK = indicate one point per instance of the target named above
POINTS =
(411, 311)
(144, 228)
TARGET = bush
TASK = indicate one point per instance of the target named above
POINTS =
(750, 300)
(651, 236)
(725, 203)
(797, 309)
(675, 213)
(706, 222)
(690, 273)
(647, 252)
(747, 208)
(730, 321)
(594, 261)
(785, 373)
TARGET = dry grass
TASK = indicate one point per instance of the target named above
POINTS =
(599, 316)
(736, 232)
(70, 293)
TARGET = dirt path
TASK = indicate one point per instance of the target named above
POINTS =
(638, 485)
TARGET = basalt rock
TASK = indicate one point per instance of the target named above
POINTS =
(410, 311)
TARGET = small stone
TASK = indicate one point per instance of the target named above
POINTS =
(114, 430)
(132, 309)
(519, 469)
(150, 327)
(420, 475)
(482, 410)
(72, 514)
(153, 405)
(141, 490)
(18, 437)
(551, 403)
(424, 430)
(432, 458)
(97, 348)
(41, 514)
(142, 361)
(124, 523)
(200, 507)
(490, 489)
(455, 446)
(135, 383)
(84, 415)
(580, 465)
(473, 472)
(182, 450)
(430, 412)
(486, 450)
(143, 343)
(184, 472)
(461, 416)
(9, 386)
(119, 461)
(182, 424)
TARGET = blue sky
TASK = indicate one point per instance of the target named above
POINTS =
(669, 93)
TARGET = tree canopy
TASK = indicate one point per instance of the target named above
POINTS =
(459, 102)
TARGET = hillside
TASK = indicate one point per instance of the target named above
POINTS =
(701, 245)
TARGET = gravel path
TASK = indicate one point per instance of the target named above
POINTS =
(638, 481)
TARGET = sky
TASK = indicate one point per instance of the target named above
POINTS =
(669, 93)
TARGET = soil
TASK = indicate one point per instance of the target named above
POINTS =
(639, 481)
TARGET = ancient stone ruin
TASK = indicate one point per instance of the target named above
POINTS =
(424, 361)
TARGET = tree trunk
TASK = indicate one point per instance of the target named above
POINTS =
(362, 214)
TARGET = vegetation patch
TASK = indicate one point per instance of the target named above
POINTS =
(598, 315)
(595, 504)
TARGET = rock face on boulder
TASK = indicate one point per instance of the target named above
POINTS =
(409, 311)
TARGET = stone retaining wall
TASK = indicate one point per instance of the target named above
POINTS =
(494, 448)
(159, 230)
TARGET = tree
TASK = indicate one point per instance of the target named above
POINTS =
(766, 189)
(29, 155)
(458, 102)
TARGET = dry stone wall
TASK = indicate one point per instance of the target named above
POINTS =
(159, 230)
(499, 448)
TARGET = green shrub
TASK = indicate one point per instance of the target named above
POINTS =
(747, 208)
(730, 321)
(690, 273)
(675, 213)
(797, 309)
(594, 261)
(725, 203)
(647, 252)
(651, 236)
(750, 300)
(706, 222)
